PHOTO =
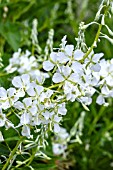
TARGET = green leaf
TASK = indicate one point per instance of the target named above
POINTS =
(3, 150)
(43, 166)
(10, 31)
(12, 138)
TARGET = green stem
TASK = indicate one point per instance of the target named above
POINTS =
(96, 38)
(12, 154)
(22, 163)
(34, 150)
(55, 85)
(94, 43)
(96, 119)
(33, 50)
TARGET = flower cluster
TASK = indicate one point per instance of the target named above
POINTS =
(25, 63)
(60, 142)
(37, 106)
(79, 75)
(75, 76)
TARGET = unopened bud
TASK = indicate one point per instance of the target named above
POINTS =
(6, 9)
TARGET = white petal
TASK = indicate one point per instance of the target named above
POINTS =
(109, 80)
(77, 67)
(97, 57)
(2, 122)
(58, 149)
(26, 79)
(27, 101)
(69, 49)
(100, 100)
(3, 93)
(39, 89)
(56, 128)
(53, 56)
(49, 93)
(19, 105)
(11, 92)
(86, 100)
(5, 105)
(46, 115)
(57, 119)
(47, 65)
(25, 118)
(78, 55)
(17, 82)
(1, 137)
(96, 67)
(105, 90)
(62, 110)
(20, 93)
(57, 78)
(31, 91)
(9, 125)
(74, 77)
(62, 58)
(33, 110)
(26, 131)
(66, 71)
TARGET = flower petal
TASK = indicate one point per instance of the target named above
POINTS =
(47, 65)
(3, 93)
(17, 82)
(78, 54)
(57, 78)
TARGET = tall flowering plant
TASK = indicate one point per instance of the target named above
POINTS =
(75, 73)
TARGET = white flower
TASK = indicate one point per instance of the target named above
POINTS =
(105, 91)
(8, 97)
(56, 128)
(60, 142)
(57, 78)
(47, 65)
(71, 91)
(46, 115)
(57, 118)
(63, 42)
(106, 71)
(59, 149)
(2, 118)
(62, 58)
(44, 96)
(96, 67)
(69, 50)
(34, 89)
(93, 60)
(96, 57)
(21, 81)
(27, 106)
(1, 137)
(64, 74)
(26, 131)
(63, 135)
(100, 100)
(62, 109)
(14, 62)
(86, 100)
(78, 55)
(4, 121)
(25, 118)
(77, 67)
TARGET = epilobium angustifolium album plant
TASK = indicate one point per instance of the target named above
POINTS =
(44, 83)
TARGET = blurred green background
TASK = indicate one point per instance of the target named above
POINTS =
(63, 16)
